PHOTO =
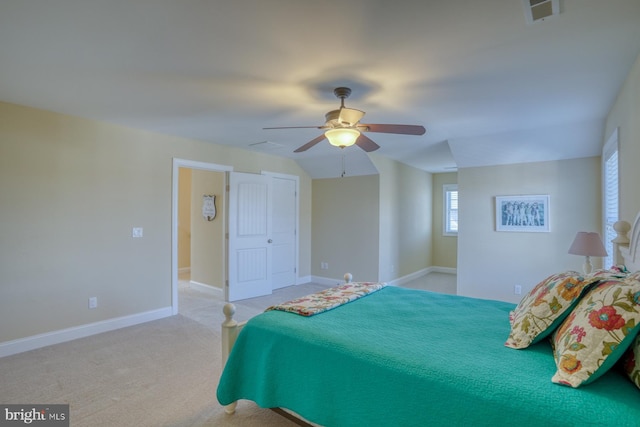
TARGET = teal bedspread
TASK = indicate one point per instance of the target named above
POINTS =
(402, 357)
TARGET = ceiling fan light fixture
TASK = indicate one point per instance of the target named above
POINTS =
(342, 137)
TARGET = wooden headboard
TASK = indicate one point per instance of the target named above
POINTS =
(627, 248)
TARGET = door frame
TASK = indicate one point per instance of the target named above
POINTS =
(190, 164)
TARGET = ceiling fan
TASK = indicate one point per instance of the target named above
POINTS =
(343, 127)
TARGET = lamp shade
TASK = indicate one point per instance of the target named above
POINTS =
(342, 137)
(587, 244)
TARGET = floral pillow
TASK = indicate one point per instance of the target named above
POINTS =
(634, 276)
(597, 332)
(545, 306)
(615, 272)
(631, 361)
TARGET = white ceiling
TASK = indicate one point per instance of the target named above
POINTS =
(489, 88)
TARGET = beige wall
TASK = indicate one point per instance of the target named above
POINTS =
(445, 248)
(184, 219)
(207, 237)
(625, 115)
(345, 227)
(377, 227)
(405, 219)
(490, 263)
(71, 191)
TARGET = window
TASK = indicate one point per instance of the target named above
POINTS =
(610, 195)
(450, 192)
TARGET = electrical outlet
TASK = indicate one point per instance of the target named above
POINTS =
(517, 289)
(93, 302)
(136, 232)
(324, 265)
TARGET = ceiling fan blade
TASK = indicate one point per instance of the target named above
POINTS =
(309, 144)
(350, 116)
(298, 127)
(366, 144)
(399, 129)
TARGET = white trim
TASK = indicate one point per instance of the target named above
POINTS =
(209, 289)
(445, 270)
(177, 164)
(304, 279)
(610, 147)
(417, 274)
(63, 335)
(446, 188)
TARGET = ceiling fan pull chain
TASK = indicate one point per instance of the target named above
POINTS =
(343, 169)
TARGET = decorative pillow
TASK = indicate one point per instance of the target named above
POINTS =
(631, 361)
(545, 306)
(634, 276)
(597, 332)
(615, 272)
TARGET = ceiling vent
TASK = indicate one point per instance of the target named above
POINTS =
(265, 145)
(540, 10)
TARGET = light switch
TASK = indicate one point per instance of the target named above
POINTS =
(136, 232)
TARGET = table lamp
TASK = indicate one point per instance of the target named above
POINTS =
(587, 244)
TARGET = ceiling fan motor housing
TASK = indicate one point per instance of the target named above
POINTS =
(342, 92)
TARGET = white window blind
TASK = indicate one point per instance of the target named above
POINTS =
(450, 192)
(610, 196)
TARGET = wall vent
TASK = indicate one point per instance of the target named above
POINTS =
(540, 10)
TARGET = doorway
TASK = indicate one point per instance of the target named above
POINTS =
(287, 190)
(194, 166)
(201, 231)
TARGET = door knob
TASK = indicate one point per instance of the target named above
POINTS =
(269, 241)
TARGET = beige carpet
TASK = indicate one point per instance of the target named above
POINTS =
(161, 373)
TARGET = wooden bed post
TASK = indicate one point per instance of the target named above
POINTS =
(621, 240)
(230, 329)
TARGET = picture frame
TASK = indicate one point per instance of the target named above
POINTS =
(528, 213)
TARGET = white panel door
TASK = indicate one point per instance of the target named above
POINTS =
(284, 249)
(250, 262)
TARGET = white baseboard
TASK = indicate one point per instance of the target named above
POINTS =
(409, 277)
(205, 288)
(20, 345)
(446, 270)
(303, 280)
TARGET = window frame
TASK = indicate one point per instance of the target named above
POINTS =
(446, 190)
(609, 150)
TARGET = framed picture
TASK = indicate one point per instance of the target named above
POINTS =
(522, 213)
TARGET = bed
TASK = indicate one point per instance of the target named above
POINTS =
(406, 357)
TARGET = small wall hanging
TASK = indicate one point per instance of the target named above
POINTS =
(522, 213)
(209, 207)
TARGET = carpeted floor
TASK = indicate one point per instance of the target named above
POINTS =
(161, 373)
